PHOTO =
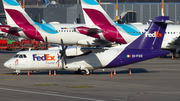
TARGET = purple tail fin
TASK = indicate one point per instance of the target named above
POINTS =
(153, 37)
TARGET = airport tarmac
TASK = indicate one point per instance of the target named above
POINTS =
(151, 80)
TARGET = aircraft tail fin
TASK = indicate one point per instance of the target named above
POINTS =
(153, 37)
(94, 14)
(15, 14)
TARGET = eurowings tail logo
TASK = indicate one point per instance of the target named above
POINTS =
(155, 34)
(45, 57)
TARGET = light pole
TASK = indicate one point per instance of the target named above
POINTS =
(117, 11)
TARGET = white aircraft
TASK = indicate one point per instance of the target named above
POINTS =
(20, 24)
(100, 25)
(77, 59)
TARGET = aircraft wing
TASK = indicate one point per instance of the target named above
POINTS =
(93, 49)
(176, 41)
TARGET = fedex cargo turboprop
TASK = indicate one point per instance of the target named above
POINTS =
(145, 47)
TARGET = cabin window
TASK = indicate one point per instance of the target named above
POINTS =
(69, 30)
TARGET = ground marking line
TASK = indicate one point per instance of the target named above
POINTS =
(73, 97)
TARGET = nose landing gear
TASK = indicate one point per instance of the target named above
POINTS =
(17, 72)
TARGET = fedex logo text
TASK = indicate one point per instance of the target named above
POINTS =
(45, 57)
(155, 34)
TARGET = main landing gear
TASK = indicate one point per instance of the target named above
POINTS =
(176, 55)
(86, 71)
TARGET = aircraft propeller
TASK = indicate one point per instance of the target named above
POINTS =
(63, 52)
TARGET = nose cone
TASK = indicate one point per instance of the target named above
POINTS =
(7, 64)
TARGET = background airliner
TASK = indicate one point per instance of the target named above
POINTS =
(100, 25)
(20, 24)
(144, 47)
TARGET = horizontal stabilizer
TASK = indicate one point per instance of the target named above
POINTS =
(12, 29)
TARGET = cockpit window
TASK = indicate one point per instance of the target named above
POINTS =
(16, 56)
(24, 56)
(20, 56)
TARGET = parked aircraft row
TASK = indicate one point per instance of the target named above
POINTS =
(146, 46)
(99, 30)
(79, 59)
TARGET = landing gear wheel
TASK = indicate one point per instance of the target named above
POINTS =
(176, 55)
(86, 72)
(17, 72)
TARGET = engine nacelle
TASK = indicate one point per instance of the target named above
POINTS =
(75, 51)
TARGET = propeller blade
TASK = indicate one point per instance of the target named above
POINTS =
(46, 42)
(65, 62)
(63, 52)
(65, 47)
(61, 56)
(62, 44)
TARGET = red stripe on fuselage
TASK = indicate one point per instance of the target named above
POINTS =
(29, 30)
(109, 31)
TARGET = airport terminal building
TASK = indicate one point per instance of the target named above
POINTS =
(128, 12)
